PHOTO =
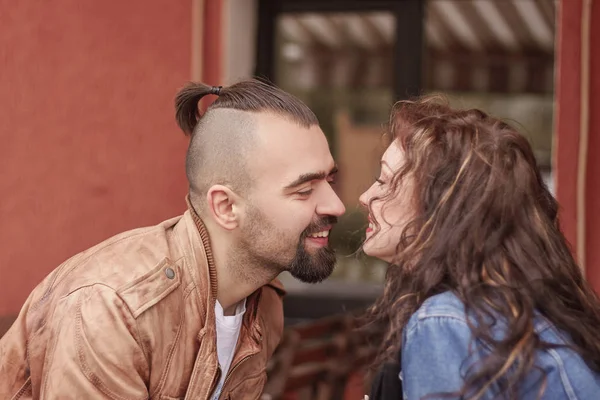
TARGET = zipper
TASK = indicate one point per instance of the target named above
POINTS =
(234, 368)
(215, 380)
(217, 376)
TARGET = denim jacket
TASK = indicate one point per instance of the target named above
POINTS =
(435, 346)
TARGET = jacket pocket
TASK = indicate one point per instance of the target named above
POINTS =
(249, 389)
(150, 288)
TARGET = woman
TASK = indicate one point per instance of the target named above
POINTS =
(483, 298)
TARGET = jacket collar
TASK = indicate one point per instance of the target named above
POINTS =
(251, 302)
(207, 249)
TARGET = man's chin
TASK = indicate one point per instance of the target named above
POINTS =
(313, 272)
(312, 277)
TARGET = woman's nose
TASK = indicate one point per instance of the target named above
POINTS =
(364, 199)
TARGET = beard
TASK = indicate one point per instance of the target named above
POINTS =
(267, 247)
(313, 268)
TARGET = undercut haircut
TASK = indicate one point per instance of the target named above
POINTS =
(224, 135)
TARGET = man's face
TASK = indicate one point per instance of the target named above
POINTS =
(291, 207)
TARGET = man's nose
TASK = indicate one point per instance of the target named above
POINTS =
(331, 204)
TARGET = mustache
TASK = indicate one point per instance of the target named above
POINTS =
(319, 224)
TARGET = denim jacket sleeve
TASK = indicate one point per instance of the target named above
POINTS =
(438, 350)
(434, 351)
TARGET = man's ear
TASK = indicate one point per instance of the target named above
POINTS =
(223, 205)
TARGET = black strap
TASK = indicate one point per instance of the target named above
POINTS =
(386, 384)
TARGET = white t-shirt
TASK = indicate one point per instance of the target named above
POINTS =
(228, 331)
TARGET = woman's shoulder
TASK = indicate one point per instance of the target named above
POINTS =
(445, 304)
(447, 307)
(441, 308)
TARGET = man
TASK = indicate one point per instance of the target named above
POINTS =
(190, 308)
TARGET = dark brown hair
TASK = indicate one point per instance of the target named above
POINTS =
(250, 95)
(485, 227)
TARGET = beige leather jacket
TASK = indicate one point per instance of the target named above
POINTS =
(133, 318)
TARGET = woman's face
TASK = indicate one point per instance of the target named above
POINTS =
(391, 213)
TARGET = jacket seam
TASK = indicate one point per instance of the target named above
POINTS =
(169, 360)
(141, 342)
(48, 360)
(87, 286)
(186, 256)
(188, 290)
(97, 383)
(423, 318)
(563, 374)
(26, 386)
(78, 260)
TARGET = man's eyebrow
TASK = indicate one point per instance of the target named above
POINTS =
(311, 176)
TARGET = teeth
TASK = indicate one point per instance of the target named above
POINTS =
(371, 225)
(321, 234)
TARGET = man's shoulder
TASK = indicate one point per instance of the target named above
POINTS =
(130, 242)
(126, 261)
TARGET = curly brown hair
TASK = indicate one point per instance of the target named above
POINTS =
(485, 227)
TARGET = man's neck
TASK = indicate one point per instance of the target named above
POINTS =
(237, 277)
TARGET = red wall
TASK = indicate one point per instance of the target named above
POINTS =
(88, 142)
(568, 130)
(568, 109)
(593, 170)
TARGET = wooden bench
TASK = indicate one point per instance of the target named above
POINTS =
(316, 359)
